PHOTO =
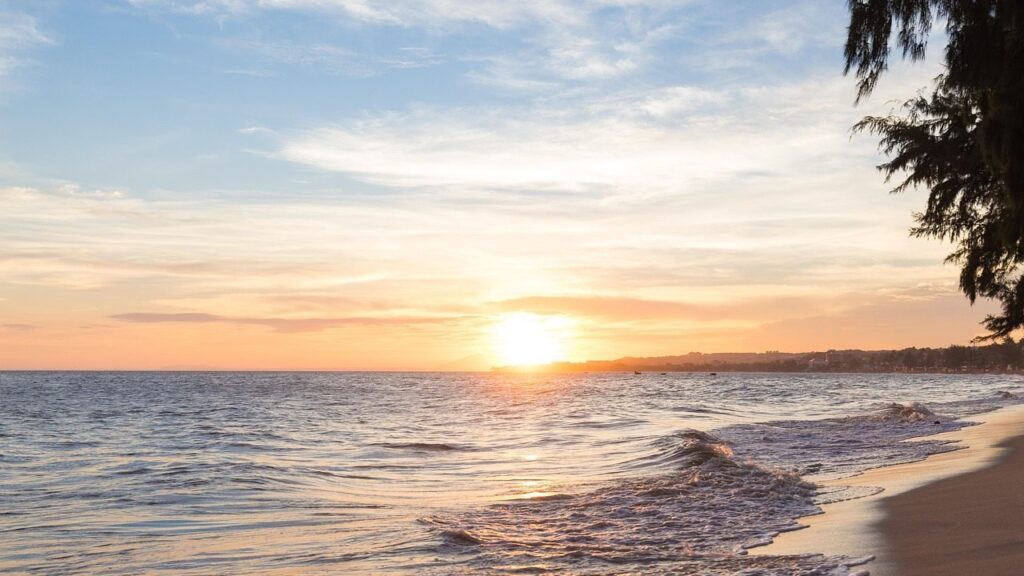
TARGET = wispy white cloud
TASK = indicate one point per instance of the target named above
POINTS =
(665, 276)
(412, 13)
(619, 146)
(251, 72)
(19, 34)
(783, 30)
(313, 324)
(558, 40)
(327, 57)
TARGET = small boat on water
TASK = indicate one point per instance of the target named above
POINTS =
(712, 373)
(636, 372)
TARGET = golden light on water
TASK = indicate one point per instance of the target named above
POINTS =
(527, 339)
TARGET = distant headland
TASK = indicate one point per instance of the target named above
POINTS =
(1006, 356)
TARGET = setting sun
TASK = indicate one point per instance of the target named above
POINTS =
(527, 339)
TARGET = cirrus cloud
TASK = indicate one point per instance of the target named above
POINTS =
(279, 324)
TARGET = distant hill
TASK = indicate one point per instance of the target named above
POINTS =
(1005, 356)
(701, 359)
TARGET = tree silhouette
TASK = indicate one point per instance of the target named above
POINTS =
(965, 141)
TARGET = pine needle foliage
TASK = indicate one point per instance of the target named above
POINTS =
(963, 142)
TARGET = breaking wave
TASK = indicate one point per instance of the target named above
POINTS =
(709, 498)
(913, 412)
(710, 505)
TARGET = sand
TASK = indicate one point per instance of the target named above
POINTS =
(969, 524)
(964, 505)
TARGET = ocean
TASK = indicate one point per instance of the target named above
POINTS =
(447, 473)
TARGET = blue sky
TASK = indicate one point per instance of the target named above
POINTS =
(369, 169)
(172, 87)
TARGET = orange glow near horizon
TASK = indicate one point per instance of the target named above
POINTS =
(527, 339)
(53, 329)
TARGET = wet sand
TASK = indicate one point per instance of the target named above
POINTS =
(965, 504)
(969, 524)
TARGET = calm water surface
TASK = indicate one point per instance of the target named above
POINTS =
(307, 473)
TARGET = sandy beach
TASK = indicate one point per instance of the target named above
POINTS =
(959, 512)
(968, 524)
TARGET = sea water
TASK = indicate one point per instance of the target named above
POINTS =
(447, 473)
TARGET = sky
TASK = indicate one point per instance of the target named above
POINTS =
(350, 184)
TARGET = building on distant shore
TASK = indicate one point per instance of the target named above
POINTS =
(818, 363)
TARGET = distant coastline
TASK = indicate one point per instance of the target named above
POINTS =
(1006, 357)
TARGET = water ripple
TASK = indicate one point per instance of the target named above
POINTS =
(245, 473)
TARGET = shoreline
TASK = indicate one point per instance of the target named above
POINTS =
(967, 524)
(889, 525)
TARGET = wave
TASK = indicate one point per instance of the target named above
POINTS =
(705, 498)
(422, 446)
(460, 537)
(711, 505)
(893, 433)
(694, 448)
(912, 412)
(688, 447)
